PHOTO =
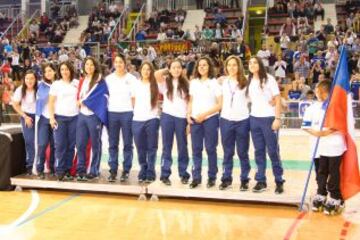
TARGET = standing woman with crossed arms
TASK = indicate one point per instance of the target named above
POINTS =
(203, 115)
(265, 123)
(63, 111)
(175, 89)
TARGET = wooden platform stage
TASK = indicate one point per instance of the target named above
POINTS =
(291, 196)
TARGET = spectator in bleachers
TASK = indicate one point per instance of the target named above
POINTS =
(280, 69)
(239, 22)
(15, 65)
(218, 32)
(291, 5)
(34, 28)
(284, 41)
(207, 33)
(289, 28)
(302, 67)
(264, 55)
(352, 63)
(355, 86)
(329, 28)
(220, 18)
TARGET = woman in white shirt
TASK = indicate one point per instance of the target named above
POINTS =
(24, 104)
(265, 122)
(45, 134)
(235, 123)
(63, 113)
(145, 125)
(89, 125)
(120, 115)
(175, 89)
(203, 115)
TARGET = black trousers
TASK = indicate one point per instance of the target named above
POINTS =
(328, 176)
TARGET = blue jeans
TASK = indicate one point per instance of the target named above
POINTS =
(64, 137)
(120, 121)
(171, 125)
(29, 138)
(45, 137)
(265, 138)
(235, 133)
(146, 136)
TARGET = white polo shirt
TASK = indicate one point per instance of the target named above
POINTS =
(260, 97)
(176, 107)
(28, 103)
(332, 145)
(84, 92)
(235, 102)
(66, 97)
(204, 94)
(142, 109)
(120, 92)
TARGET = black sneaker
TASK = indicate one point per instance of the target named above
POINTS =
(141, 180)
(318, 203)
(244, 186)
(184, 180)
(68, 177)
(194, 183)
(149, 180)
(61, 176)
(224, 185)
(210, 183)
(29, 172)
(333, 206)
(166, 181)
(279, 188)
(41, 175)
(124, 176)
(81, 178)
(112, 177)
(259, 187)
(91, 176)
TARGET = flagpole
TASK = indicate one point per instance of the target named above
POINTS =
(301, 208)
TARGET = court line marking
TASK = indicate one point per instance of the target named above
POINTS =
(35, 200)
(49, 209)
(292, 228)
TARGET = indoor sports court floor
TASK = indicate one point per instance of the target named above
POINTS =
(54, 214)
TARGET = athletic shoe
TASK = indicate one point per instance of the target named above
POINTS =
(124, 176)
(244, 186)
(279, 188)
(29, 172)
(194, 183)
(41, 175)
(81, 178)
(210, 183)
(149, 180)
(61, 176)
(68, 177)
(184, 180)
(91, 176)
(224, 185)
(112, 177)
(333, 206)
(259, 187)
(318, 203)
(166, 181)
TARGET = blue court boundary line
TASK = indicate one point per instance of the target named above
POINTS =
(49, 209)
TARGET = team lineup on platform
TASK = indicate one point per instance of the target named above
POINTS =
(239, 106)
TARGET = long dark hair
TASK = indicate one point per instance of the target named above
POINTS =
(262, 74)
(211, 73)
(97, 72)
(154, 90)
(241, 79)
(53, 67)
(69, 65)
(183, 86)
(24, 87)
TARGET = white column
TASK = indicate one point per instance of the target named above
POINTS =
(127, 3)
(43, 6)
(24, 9)
(149, 6)
(244, 7)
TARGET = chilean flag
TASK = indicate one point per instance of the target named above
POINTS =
(339, 116)
(97, 101)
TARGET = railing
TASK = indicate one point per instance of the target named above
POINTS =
(10, 11)
(25, 33)
(14, 27)
(171, 4)
(266, 13)
(137, 23)
(119, 26)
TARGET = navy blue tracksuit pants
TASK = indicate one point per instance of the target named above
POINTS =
(264, 138)
(29, 137)
(171, 125)
(45, 137)
(146, 136)
(207, 132)
(120, 121)
(64, 137)
(235, 133)
(88, 127)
